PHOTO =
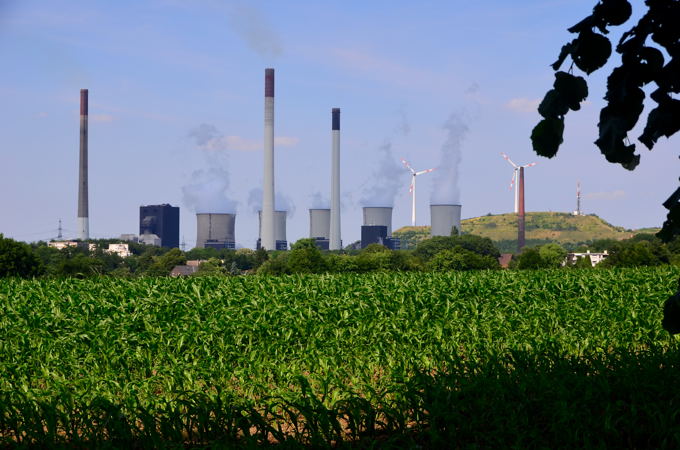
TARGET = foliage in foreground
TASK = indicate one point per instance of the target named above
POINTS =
(541, 358)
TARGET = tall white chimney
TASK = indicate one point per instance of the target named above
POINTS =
(83, 210)
(268, 241)
(335, 241)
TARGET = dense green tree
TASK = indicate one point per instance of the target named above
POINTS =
(477, 244)
(305, 257)
(17, 259)
(277, 264)
(211, 267)
(79, 265)
(529, 259)
(553, 255)
(632, 253)
(460, 258)
(163, 264)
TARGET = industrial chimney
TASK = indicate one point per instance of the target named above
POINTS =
(268, 240)
(215, 230)
(83, 212)
(443, 218)
(335, 242)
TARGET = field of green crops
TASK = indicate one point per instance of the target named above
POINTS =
(524, 359)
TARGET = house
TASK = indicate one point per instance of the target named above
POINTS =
(595, 258)
(122, 250)
(183, 270)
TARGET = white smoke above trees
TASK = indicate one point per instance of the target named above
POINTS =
(446, 190)
(387, 179)
(208, 188)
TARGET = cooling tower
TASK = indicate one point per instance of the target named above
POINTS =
(335, 241)
(267, 229)
(379, 215)
(215, 230)
(319, 223)
(280, 242)
(444, 218)
(83, 210)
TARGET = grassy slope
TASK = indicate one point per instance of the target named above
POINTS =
(554, 226)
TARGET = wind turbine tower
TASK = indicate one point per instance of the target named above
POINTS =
(519, 198)
(412, 188)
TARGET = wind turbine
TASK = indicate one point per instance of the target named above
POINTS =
(412, 188)
(514, 178)
(519, 197)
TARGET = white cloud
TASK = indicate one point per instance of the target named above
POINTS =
(523, 105)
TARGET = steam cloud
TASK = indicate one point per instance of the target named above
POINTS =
(253, 28)
(386, 180)
(207, 190)
(319, 201)
(281, 202)
(446, 191)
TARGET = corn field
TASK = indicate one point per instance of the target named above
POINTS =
(526, 359)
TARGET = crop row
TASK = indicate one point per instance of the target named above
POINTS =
(323, 359)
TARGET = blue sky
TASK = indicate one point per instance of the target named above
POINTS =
(176, 107)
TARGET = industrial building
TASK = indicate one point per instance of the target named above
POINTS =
(280, 242)
(443, 219)
(320, 226)
(377, 228)
(215, 230)
(162, 221)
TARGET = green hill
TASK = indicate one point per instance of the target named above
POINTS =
(541, 227)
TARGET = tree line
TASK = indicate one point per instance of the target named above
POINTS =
(440, 253)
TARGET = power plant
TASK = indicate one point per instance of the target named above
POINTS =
(443, 219)
(215, 230)
(320, 226)
(83, 210)
(159, 222)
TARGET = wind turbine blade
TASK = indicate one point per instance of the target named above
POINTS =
(407, 165)
(507, 158)
(529, 165)
(425, 171)
(410, 188)
(512, 182)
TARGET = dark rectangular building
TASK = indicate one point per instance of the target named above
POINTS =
(377, 234)
(161, 220)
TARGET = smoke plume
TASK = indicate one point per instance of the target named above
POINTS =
(249, 23)
(281, 202)
(207, 191)
(446, 191)
(319, 201)
(387, 179)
